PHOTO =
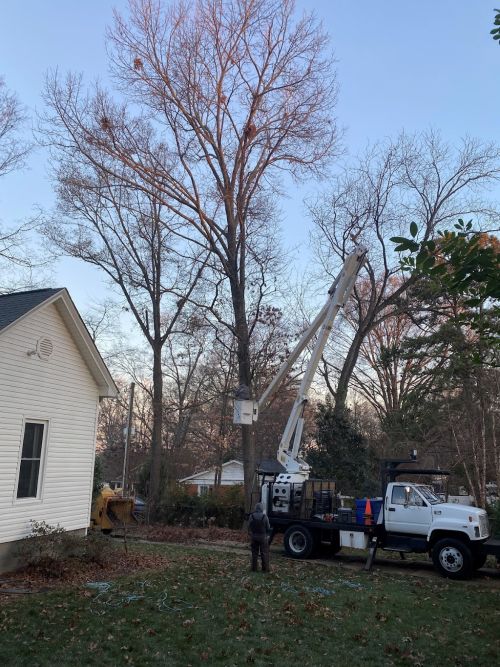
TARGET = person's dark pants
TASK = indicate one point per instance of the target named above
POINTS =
(260, 545)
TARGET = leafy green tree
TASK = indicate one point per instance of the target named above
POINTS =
(496, 31)
(458, 278)
(340, 452)
(465, 261)
(462, 263)
(459, 414)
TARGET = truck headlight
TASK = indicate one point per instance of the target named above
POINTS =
(484, 525)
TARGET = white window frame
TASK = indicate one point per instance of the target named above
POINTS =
(41, 470)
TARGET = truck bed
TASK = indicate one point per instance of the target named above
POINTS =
(324, 525)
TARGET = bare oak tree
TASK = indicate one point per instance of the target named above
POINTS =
(219, 98)
(130, 236)
(13, 151)
(385, 376)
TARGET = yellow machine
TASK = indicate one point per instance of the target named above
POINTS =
(111, 510)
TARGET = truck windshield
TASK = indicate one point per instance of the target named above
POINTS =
(429, 494)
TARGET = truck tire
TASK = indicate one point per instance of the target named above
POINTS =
(452, 558)
(299, 542)
(478, 560)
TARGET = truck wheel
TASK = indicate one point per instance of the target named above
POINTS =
(452, 558)
(478, 560)
(299, 542)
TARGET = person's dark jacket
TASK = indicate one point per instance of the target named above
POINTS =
(258, 523)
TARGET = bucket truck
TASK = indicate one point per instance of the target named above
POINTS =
(408, 518)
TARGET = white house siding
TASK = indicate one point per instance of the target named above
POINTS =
(62, 391)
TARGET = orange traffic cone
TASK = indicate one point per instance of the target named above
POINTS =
(368, 513)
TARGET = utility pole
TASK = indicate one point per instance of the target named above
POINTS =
(127, 440)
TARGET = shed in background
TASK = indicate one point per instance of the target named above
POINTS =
(204, 482)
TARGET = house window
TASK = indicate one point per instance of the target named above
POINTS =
(31, 458)
(205, 490)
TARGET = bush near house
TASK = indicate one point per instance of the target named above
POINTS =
(50, 549)
(223, 508)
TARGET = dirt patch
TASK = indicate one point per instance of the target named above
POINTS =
(75, 572)
(193, 536)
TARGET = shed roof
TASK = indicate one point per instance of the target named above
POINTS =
(15, 306)
(210, 470)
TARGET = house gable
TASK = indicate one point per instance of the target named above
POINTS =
(17, 306)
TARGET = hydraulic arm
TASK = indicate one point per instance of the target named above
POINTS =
(338, 295)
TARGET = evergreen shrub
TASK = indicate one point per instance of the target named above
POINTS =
(224, 507)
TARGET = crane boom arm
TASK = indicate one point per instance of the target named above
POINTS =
(338, 295)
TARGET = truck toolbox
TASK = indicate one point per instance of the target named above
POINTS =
(353, 539)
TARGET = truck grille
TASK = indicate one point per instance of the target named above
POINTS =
(484, 527)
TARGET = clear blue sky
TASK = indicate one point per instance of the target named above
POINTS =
(401, 65)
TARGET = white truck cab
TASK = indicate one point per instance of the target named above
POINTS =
(415, 509)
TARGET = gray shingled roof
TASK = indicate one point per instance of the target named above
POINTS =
(15, 305)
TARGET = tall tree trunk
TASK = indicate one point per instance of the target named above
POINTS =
(244, 378)
(495, 447)
(347, 371)
(156, 437)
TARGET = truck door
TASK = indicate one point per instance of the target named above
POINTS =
(406, 511)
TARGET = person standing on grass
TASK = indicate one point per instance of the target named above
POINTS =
(259, 530)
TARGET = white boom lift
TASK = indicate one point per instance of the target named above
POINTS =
(246, 411)
(409, 518)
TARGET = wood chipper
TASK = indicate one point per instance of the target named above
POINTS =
(111, 510)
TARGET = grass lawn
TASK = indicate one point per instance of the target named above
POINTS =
(205, 607)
